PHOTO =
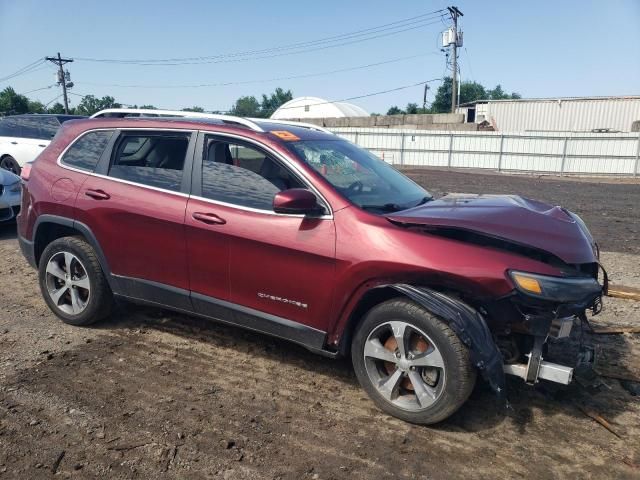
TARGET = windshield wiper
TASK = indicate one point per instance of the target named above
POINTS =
(423, 200)
(387, 207)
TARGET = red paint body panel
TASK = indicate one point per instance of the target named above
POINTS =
(282, 256)
(140, 230)
(517, 219)
(309, 270)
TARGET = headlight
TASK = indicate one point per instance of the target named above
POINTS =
(15, 188)
(556, 289)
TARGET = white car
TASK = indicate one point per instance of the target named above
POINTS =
(23, 137)
(9, 196)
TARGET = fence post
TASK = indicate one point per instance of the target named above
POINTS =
(564, 155)
(402, 150)
(355, 138)
(500, 157)
(450, 149)
(635, 167)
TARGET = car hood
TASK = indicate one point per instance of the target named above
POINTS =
(8, 178)
(511, 218)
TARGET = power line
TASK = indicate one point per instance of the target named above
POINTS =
(290, 77)
(366, 95)
(468, 63)
(26, 69)
(205, 59)
(51, 101)
(38, 89)
(245, 59)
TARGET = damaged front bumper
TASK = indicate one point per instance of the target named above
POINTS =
(537, 368)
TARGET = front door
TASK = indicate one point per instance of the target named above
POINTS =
(280, 267)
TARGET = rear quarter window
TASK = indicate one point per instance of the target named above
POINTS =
(85, 152)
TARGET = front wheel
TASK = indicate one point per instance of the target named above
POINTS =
(72, 282)
(412, 365)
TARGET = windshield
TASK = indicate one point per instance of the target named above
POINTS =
(363, 178)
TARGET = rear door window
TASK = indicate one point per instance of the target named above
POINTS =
(85, 152)
(153, 159)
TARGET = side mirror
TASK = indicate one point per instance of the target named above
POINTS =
(296, 201)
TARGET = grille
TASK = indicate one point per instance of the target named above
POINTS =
(1, 190)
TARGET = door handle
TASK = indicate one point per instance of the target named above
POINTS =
(14, 143)
(209, 218)
(97, 194)
(41, 145)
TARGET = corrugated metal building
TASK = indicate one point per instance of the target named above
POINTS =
(579, 114)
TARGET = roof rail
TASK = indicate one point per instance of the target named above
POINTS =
(310, 126)
(145, 112)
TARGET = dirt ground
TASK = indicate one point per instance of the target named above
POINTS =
(152, 394)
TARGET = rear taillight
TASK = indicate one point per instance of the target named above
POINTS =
(26, 171)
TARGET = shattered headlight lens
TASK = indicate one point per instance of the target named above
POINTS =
(556, 289)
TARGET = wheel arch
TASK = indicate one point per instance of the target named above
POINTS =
(468, 324)
(51, 227)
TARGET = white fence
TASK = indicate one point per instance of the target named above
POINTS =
(546, 152)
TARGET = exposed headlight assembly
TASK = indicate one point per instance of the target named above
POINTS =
(556, 289)
(15, 188)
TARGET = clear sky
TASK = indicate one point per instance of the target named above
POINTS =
(537, 48)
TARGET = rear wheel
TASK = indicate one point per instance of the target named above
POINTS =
(411, 363)
(72, 282)
(9, 163)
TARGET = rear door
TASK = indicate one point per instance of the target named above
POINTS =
(135, 207)
(280, 267)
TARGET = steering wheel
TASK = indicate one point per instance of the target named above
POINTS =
(355, 187)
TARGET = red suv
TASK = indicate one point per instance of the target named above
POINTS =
(289, 230)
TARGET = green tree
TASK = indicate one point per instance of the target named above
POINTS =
(36, 107)
(469, 92)
(499, 94)
(271, 103)
(91, 104)
(12, 103)
(56, 108)
(246, 107)
(193, 109)
(394, 111)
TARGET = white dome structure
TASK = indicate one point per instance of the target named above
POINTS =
(314, 107)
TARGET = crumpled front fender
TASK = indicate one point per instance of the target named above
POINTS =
(469, 326)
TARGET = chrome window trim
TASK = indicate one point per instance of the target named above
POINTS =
(184, 195)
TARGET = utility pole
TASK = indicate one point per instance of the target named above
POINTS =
(62, 78)
(455, 13)
(424, 99)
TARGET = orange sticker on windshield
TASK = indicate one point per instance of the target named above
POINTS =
(284, 135)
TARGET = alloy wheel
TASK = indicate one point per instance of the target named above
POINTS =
(404, 365)
(67, 283)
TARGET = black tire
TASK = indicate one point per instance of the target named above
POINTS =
(100, 301)
(458, 375)
(9, 163)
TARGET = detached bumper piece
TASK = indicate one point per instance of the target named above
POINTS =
(536, 368)
(545, 371)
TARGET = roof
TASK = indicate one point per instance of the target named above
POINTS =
(266, 126)
(314, 107)
(553, 99)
